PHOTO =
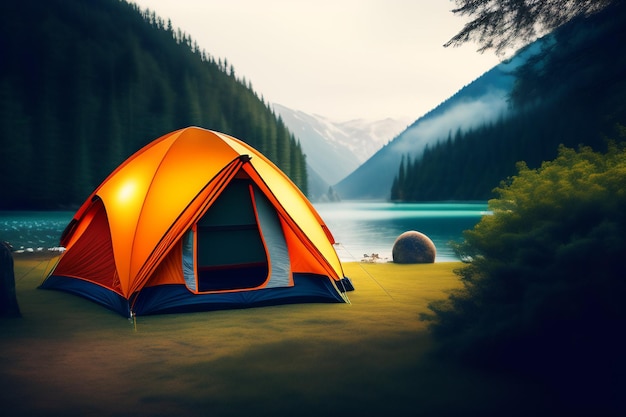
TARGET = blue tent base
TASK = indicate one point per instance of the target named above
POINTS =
(176, 298)
(345, 285)
(163, 299)
(90, 291)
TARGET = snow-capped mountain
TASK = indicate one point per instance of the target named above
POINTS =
(365, 138)
(335, 149)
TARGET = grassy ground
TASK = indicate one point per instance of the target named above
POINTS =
(69, 357)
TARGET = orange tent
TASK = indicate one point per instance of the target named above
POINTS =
(198, 220)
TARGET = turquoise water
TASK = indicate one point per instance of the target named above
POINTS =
(360, 228)
(33, 230)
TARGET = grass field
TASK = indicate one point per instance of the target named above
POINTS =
(69, 357)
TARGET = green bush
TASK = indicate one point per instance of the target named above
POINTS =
(544, 288)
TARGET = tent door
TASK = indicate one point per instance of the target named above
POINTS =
(236, 242)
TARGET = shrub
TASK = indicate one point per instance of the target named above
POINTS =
(544, 290)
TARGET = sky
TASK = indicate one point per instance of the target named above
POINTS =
(341, 59)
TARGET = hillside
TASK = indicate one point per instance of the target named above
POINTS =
(322, 142)
(89, 83)
(572, 93)
(566, 88)
(479, 102)
(334, 149)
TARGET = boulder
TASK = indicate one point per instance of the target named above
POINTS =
(413, 248)
(8, 298)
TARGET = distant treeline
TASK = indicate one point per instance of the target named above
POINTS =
(572, 93)
(83, 85)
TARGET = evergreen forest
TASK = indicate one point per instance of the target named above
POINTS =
(572, 93)
(83, 85)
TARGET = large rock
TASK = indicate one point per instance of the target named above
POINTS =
(413, 248)
(8, 298)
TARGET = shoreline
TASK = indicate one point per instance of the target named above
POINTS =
(54, 252)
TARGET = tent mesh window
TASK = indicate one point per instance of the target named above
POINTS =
(230, 253)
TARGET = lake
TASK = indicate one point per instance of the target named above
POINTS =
(359, 228)
(362, 228)
(33, 230)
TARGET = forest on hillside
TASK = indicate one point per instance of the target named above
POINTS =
(83, 85)
(572, 93)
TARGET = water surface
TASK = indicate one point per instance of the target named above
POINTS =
(33, 230)
(360, 228)
(364, 228)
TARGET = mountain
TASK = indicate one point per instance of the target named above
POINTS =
(480, 102)
(323, 143)
(364, 137)
(89, 83)
(571, 93)
(334, 149)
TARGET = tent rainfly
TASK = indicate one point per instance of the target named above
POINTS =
(198, 220)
